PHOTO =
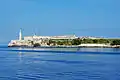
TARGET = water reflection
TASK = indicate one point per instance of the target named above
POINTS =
(20, 55)
(100, 49)
(62, 50)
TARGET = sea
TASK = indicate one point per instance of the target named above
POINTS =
(59, 63)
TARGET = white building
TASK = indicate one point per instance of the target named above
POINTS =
(26, 41)
(49, 37)
(64, 37)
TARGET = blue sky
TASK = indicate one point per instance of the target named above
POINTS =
(59, 17)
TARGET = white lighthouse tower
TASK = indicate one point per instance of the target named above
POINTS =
(20, 35)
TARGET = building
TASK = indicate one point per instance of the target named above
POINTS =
(90, 37)
(49, 37)
(42, 40)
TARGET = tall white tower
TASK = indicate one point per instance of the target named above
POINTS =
(20, 35)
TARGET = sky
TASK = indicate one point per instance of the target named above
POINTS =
(99, 18)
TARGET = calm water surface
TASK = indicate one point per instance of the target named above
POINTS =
(82, 64)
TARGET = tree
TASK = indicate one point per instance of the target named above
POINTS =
(36, 45)
(32, 42)
(60, 43)
(76, 42)
(51, 42)
(115, 42)
(95, 41)
(103, 41)
(87, 41)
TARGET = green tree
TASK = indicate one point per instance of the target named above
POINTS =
(103, 41)
(115, 42)
(36, 45)
(60, 43)
(76, 41)
(95, 41)
(32, 42)
(51, 42)
(87, 41)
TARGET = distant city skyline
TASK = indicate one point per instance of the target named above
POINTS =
(59, 17)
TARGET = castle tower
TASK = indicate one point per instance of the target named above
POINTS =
(20, 35)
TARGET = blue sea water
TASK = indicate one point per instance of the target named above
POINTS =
(59, 63)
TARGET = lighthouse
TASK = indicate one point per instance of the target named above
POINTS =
(20, 35)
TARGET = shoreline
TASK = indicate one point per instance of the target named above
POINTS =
(66, 46)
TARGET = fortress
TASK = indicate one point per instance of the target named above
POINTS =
(42, 40)
(57, 41)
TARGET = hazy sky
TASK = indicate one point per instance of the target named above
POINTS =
(59, 17)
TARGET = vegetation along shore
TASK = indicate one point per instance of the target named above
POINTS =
(78, 42)
(63, 41)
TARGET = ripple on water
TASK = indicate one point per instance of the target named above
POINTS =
(59, 66)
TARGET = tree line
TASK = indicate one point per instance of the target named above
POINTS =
(78, 41)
